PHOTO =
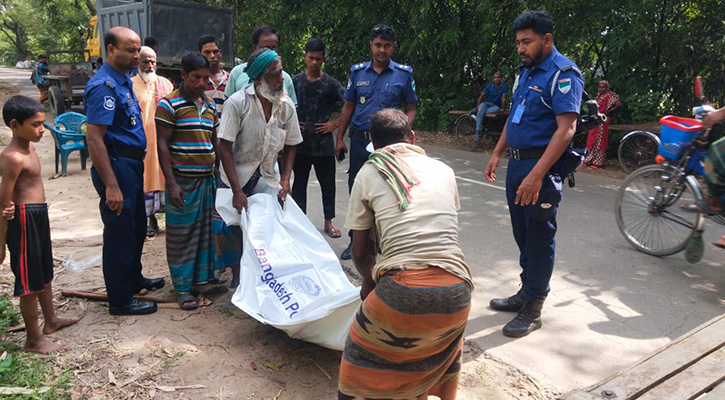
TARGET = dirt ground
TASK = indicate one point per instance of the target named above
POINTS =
(215, 352)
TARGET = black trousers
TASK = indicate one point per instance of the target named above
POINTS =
(325, 171)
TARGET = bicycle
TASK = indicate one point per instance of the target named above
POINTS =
(646, 208)
(465, 130)
(637, 149)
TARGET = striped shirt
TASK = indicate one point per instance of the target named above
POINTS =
(191, 145)
(216, 92)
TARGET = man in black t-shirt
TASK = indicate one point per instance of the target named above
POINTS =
(318, 95)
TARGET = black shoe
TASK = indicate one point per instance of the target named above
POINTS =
(150, 284)
(137, 307)
(513, 303)
(346, 254)
(526, 321)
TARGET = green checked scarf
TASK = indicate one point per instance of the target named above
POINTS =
(395, 171)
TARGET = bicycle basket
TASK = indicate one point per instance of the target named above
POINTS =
(676, 134)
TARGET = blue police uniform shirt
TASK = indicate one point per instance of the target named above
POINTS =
(493, 94)
(532, 94)
(371, 92)
(109, 100)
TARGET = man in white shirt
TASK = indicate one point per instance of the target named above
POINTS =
(258, 122)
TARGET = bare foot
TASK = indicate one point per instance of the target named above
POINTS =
(59, 323)
(44, 346)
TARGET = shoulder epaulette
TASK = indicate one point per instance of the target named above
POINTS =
(406, 68)
(356, 67)
(109, 84)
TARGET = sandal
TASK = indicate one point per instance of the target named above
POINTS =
(187, 301)
(151, 232)
(210, 286)
(333, 232)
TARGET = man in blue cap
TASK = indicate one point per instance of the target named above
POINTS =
(373, 85)
(117, 144)
(546, 101)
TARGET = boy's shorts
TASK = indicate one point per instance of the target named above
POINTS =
(31, 255)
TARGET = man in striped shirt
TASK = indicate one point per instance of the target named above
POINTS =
(186, 122)
(218, 77)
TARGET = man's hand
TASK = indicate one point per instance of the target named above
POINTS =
(491, 167)
(114, 199)
(302, 126)
(340, 147)
(9, 212)
(325, 127)
(713, 118)
(239, 201)
(368, 285)
(176, 195)
(284, 191)
(528, 192)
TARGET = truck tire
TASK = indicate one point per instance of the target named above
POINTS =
(56, 101)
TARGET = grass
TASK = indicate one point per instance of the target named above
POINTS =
(24, 370)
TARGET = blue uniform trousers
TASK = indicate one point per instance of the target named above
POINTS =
(358, 156)
(123, 235)
(534, 227)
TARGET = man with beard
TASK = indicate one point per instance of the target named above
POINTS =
(373, 85)
(546, 101)
(117, 144)
(263, 36)
(186, 122)
(149, 88)
(258, 122)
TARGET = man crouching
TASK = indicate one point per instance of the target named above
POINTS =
(405, 342)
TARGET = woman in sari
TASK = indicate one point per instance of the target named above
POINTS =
(598, 137)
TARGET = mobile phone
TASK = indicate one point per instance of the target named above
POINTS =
(341, 156)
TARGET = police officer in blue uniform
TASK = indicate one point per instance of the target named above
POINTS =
(373, 85)
(117, 144)
(545, 105)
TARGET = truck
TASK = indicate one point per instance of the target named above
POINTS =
(176, 24)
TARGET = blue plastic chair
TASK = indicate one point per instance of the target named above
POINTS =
(69, 136)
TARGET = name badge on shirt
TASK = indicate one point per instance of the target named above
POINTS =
(363, 83)
(518, 114)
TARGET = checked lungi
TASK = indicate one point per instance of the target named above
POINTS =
(407, 336)
(189, 241)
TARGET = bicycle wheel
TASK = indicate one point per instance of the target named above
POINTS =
(637, 149)
(648, 210)
(466, 132)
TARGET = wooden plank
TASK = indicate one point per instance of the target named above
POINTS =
(692, 382)
(662, 364)
(457, 112)
(717, 393)
(651, 126)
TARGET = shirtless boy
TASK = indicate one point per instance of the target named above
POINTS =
(27, 233)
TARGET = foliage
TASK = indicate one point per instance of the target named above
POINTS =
(31, 27)
(20, 369)
(649, 50)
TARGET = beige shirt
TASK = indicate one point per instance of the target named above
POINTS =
(257, 142)
(427, 231)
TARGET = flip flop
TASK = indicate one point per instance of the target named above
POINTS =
(183, 298)
(333, 232)
(699, 207)
(718, 245)
(151, 232)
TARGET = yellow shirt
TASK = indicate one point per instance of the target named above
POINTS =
(427, 231)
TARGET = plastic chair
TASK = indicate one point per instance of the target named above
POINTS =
(69, 137)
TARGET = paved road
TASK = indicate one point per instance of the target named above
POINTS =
(609, 305)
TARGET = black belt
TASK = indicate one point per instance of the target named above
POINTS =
(130, 152)
(361, 134)
(526, 154)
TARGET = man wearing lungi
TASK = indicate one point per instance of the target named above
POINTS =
(405, 342)
(186, 122)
